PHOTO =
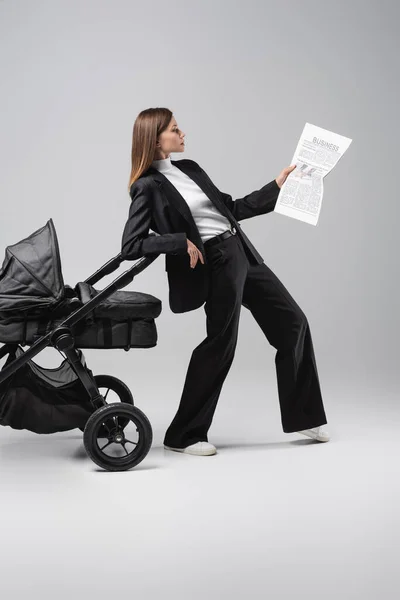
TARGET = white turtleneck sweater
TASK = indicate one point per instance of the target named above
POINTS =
(209, 220)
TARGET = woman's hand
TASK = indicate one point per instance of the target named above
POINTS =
(280, 180)
(194, 253)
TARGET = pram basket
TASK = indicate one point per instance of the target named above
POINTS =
(38, 310)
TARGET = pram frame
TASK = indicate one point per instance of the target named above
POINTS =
(62, 338)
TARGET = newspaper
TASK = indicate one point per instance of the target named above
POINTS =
(317, 152)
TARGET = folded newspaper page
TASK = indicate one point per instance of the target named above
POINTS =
(317, 152)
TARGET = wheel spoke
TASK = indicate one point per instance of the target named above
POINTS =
(105, 397)
(123, 444)
(107, 427)
(105, 445)
(135, 443)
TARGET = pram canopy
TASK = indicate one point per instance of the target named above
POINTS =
(31, 275)
(34, 300)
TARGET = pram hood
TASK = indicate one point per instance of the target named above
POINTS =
(31, 275)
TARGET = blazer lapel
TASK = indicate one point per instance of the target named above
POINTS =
(174, 197)
(177, 199)
(204, 185)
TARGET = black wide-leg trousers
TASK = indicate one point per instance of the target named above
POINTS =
(235, 282)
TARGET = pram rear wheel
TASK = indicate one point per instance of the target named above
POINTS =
(128, 439)
(107, 383)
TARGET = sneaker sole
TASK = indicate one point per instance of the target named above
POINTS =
(197, 452)
(318, 438)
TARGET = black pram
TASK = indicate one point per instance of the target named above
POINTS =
(38, 310)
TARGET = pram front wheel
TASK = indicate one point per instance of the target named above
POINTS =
(128, 439)
(107, 383)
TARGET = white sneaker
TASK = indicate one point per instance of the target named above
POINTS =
(317, 433)
(200, 448)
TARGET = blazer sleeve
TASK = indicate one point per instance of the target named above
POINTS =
(136, 241)
(259, 202)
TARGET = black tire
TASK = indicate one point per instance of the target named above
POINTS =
(103, 418)
(116, 385)
(109, 382)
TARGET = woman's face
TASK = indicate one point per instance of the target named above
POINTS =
(170, 140)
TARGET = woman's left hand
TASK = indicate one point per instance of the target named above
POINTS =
(280, 180)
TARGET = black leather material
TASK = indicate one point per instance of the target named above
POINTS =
(34, 301)
(218, 238)
(121, 304)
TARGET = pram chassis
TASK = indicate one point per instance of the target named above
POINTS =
(63, 340)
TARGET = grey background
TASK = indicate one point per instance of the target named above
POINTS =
(241, 78)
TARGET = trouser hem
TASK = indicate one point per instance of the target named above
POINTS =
(304, 425)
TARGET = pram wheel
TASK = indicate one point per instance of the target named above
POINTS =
(108, 382)
(105, 383)
(129, 436)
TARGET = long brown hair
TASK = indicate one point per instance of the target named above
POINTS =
(147, 127)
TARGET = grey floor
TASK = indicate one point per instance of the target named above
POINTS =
(271, 515)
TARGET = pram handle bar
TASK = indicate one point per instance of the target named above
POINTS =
(111, 266)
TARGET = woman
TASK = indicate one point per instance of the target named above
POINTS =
(209, 259)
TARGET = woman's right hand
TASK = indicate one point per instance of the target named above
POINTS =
(194, 253)
(284, 174)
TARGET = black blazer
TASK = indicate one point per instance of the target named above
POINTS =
(158, 206)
